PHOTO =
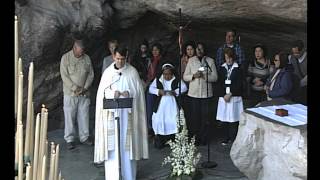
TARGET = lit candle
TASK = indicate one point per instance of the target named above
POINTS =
(28, 173)
(59, 178)
(56, 164)
(16, 55)
(43, 168)
(36, 147)
(29, 109)
(20, 159)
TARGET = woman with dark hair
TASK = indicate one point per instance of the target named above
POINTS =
(200, 73)
(188, 51)
(165, 107)
(141, 60)
(279, 84)
(152, 71)
(258, 72)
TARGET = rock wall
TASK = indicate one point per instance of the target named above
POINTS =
(47, 27)
(265, 150)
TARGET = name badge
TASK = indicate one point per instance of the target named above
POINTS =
(227, 81)
(228, 90)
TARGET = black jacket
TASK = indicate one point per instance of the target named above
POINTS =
(236, 81)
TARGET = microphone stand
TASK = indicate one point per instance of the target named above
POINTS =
(208, 164)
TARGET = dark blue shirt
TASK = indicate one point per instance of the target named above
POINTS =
(240, 59)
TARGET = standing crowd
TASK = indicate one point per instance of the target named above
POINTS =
(206, 88)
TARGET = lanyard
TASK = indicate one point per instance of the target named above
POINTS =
(229, 71)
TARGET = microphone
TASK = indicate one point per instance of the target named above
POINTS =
(109, 86)
(205, 64)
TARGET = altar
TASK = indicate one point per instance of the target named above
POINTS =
(268, 147)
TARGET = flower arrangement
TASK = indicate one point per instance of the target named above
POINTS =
(184, 156)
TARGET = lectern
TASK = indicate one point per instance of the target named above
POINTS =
(118, 103)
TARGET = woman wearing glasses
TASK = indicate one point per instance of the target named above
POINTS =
(279, 84)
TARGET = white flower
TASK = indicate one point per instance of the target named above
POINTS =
(183, 157)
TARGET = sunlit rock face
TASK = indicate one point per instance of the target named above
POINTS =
(47, 28)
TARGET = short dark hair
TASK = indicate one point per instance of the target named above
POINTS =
(122, 50)
(297, 43)
(233, 31)
(230, 52)
(204, 47)
(158, 45)
(283, 57)
(144, 42)
(263, 47)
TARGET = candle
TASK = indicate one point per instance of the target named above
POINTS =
(36, 147)
(52, 160)
(28, 172)
(20, 67)
(43, 168)
(20, 98)
(16, 150)
(59, 178)
(29, 109)
(32, 133)
(45, 127)
(20, 158)
(46, 148)
(16, 55)
(41, 139)
(56, 164)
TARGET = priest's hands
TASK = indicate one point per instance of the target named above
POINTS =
(117, 94)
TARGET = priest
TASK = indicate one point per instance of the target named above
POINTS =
(120, 80)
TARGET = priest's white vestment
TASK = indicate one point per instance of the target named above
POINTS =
(133, 126)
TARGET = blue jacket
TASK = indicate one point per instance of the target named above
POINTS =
(283, 84)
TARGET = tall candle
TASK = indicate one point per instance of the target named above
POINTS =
(56, 164)
(20, 66)
(46, 148)
(16, 55)
(32, 133)
(16, 151)
(20, 98)
(29, 109)
(20, 159)
(41, 140)
(59, 178)
(52, 160)
(43, 168)
(45, 127)
(28, 172)
(36, 147)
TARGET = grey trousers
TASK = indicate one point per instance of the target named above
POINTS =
(76, 107)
